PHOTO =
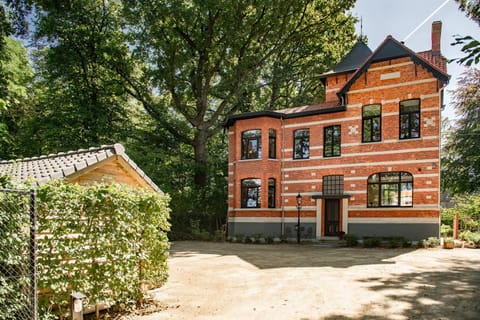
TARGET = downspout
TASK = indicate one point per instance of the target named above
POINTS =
(440, 103)
(283, 176)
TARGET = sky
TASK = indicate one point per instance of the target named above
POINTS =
(399, 18)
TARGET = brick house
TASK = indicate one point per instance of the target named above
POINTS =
(366, 162)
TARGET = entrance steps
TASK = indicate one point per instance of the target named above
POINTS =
(329, 242)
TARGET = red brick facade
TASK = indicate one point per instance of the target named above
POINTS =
(392, 74)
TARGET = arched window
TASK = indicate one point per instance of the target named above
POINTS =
(252, 144)
(251, 190)
(390, 189)
(271, 193)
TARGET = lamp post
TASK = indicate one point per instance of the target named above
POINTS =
(299, 206)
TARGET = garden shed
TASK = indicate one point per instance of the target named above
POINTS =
(105, 164)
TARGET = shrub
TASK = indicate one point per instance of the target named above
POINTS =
(430, 242)
(471, 237)
(239, 237)
(219, 235)
(114, 238)
(371, 242)
(283, 238)
(395, 242)
(351, 239)
(406, 243)
(256, 237)
(269, 239)
(446, 230)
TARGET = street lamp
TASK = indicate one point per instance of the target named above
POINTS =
(299, 206)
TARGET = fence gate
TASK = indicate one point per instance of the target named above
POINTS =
(18, 283)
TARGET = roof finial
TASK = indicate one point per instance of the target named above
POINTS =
(361, 28)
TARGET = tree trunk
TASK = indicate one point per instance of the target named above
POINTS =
(200, 150)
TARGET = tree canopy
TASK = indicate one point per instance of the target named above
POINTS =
(461, 155)
(162, 77)
(470, 46)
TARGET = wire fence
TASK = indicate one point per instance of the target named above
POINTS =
(18, 283)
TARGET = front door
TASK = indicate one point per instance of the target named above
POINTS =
(332, 217)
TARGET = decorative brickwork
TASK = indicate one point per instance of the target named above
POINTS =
(408, 145)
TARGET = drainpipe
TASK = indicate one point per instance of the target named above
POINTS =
(440, 101)
(283, 175)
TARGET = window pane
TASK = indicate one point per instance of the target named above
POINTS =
(405, 176)
(371, 110)
(251, 144)
(301, 142)
(390, 177)
(406, 195)
(367, 130)
(404, 126)
(415, 125)
(250, 193)
(272, 144)
(372, 195)
(332, 141)
(271, 193)
(389, 194)
(374, 178)
(376, 131)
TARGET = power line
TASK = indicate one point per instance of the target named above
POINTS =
(424, 21)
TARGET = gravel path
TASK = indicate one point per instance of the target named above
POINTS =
(248, 281)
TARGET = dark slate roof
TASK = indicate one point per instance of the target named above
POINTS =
(354, 59)
(392, 49)
(64, 164)
(289, 113)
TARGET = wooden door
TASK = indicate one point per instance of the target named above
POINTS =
(332, 217)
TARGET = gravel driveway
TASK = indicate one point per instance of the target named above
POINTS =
(248, 281)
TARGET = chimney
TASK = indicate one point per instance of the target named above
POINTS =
(436, 36)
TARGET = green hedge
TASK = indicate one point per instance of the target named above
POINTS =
(15, 263)
(106, 241)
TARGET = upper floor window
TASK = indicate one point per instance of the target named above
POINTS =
(271, 193)
(410, 119)
(371, 123)
(272, 144)
(390, 189)
(301, 144)
(332, 141)
(252, 144)
(250, 197)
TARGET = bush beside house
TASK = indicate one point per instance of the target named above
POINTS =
(107, 241)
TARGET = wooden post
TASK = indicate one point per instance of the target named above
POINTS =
(455, 226)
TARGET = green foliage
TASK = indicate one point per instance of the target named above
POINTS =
(371, 242)
(351, 239)
(15, 264)
(460, 154)
(468, 209)
(471, 237)
(430, 242)
(106, 241)
(15, 86)
(446, 230)
(470, 46)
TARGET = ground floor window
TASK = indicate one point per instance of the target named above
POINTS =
(250, 197)
(390, 189)
(271, 193)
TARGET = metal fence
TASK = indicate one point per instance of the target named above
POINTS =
(18, 283)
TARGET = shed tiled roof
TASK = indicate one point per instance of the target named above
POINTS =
(64, 164)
